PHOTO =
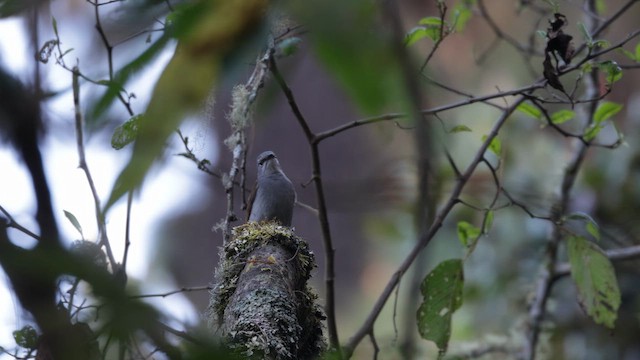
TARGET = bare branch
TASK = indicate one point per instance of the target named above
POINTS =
(13, 224)
(622, 254)
(102, 226)
(173, 292)
(392, 116)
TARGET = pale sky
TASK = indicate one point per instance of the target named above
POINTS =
(71, 191)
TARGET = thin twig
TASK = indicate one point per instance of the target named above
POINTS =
(173, 292)
(432, 81)
(504, 36)
(180, 334)
(127, 232)
(239, 150)
(376, 348)
(392, 116)
(102, 227)
(442, 7)
(13, 224)
(109, 48)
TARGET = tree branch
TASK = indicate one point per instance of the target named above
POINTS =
(426, 237)
(323, 218)
(102, 228)
(628, 253)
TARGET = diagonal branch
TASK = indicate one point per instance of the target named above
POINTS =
(426, 237)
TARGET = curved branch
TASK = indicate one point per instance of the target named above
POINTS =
(323, 218)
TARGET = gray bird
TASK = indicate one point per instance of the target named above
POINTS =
(273, 195)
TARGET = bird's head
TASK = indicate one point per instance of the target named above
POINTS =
(268, 163)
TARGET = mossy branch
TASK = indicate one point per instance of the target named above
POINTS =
(260, 300)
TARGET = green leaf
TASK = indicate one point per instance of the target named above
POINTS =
(585, 33)
(628, 54)
(461, 15)
(10, 8)
(348, 43)
(74, 222)
(530, 110)
(54, 24)
(442, 296)
(431, 21)
(602, 43)
(430, 27)
(593, 229)
(638, 52)
(587, 67)
(459, 128)
(488, 221)
(605, 111)
(27, 337)
(288, 46)
(562, 116)
(66, 52)
(495, 146)
(126, 133)
(592, 131)
(612, 70)
(467, 233)
(414, 35)
(105, 82)
(433, 33)
(595, 278)
(590, 225)
(601, 7)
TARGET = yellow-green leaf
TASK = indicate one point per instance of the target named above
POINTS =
(591, 132)
(467, 233)
(211, 32)
(459, 128)
(488, 221)
(530, 110)
(126, 133)
(613, 71)
(605, 111)
(595, 278)
(495, 145)
(562, 116)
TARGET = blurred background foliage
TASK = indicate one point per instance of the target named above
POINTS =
(345, 69)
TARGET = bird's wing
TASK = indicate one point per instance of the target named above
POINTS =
(252, 197)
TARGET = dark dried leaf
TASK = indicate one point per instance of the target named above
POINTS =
(550, 74)
(559, 22)
(562, 44)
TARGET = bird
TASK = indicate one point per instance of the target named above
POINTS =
(273, 195)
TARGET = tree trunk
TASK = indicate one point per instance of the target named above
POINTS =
(261, 302)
